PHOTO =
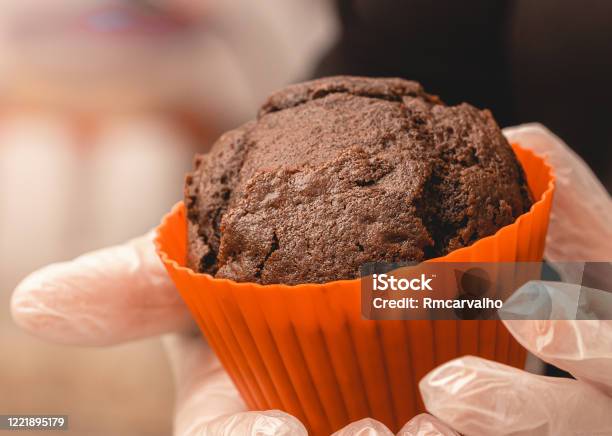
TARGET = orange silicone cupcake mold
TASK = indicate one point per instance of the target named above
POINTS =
(306, 350)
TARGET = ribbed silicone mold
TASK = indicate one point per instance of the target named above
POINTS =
(306, 350)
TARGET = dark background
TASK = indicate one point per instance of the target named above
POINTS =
(545, 60)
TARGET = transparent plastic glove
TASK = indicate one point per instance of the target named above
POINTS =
(123, 293)
(479, 397)
(420, 425)
(426, 425)
(580, 226)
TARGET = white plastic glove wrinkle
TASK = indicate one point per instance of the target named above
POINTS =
(579, 228)
(479, 397)
(105, 297)
(421, 425)
(426, 425)
(582, 348)
(365, 427)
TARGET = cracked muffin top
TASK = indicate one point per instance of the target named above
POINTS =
(342, 171)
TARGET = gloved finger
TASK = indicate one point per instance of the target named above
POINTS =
(580, 227)
(364, 427)
(479, 397)
(426, 425)
(269, 422)
(104, 297)
(548, 300)
(581, 347)
(208, 403)
(204, 390)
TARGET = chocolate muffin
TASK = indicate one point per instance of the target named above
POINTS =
(341, 171)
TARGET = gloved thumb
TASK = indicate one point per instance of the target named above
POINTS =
(364, 427)
(105, 297)
(426, 425)
(480, 397)
(580, 227)
(267, 423)
(208, 403)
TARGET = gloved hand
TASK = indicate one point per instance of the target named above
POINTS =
(479, 397)
(123, 293)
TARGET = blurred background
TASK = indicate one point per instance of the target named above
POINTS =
(102, 105)
(104, 102)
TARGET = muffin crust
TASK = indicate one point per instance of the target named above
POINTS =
(341, 171)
